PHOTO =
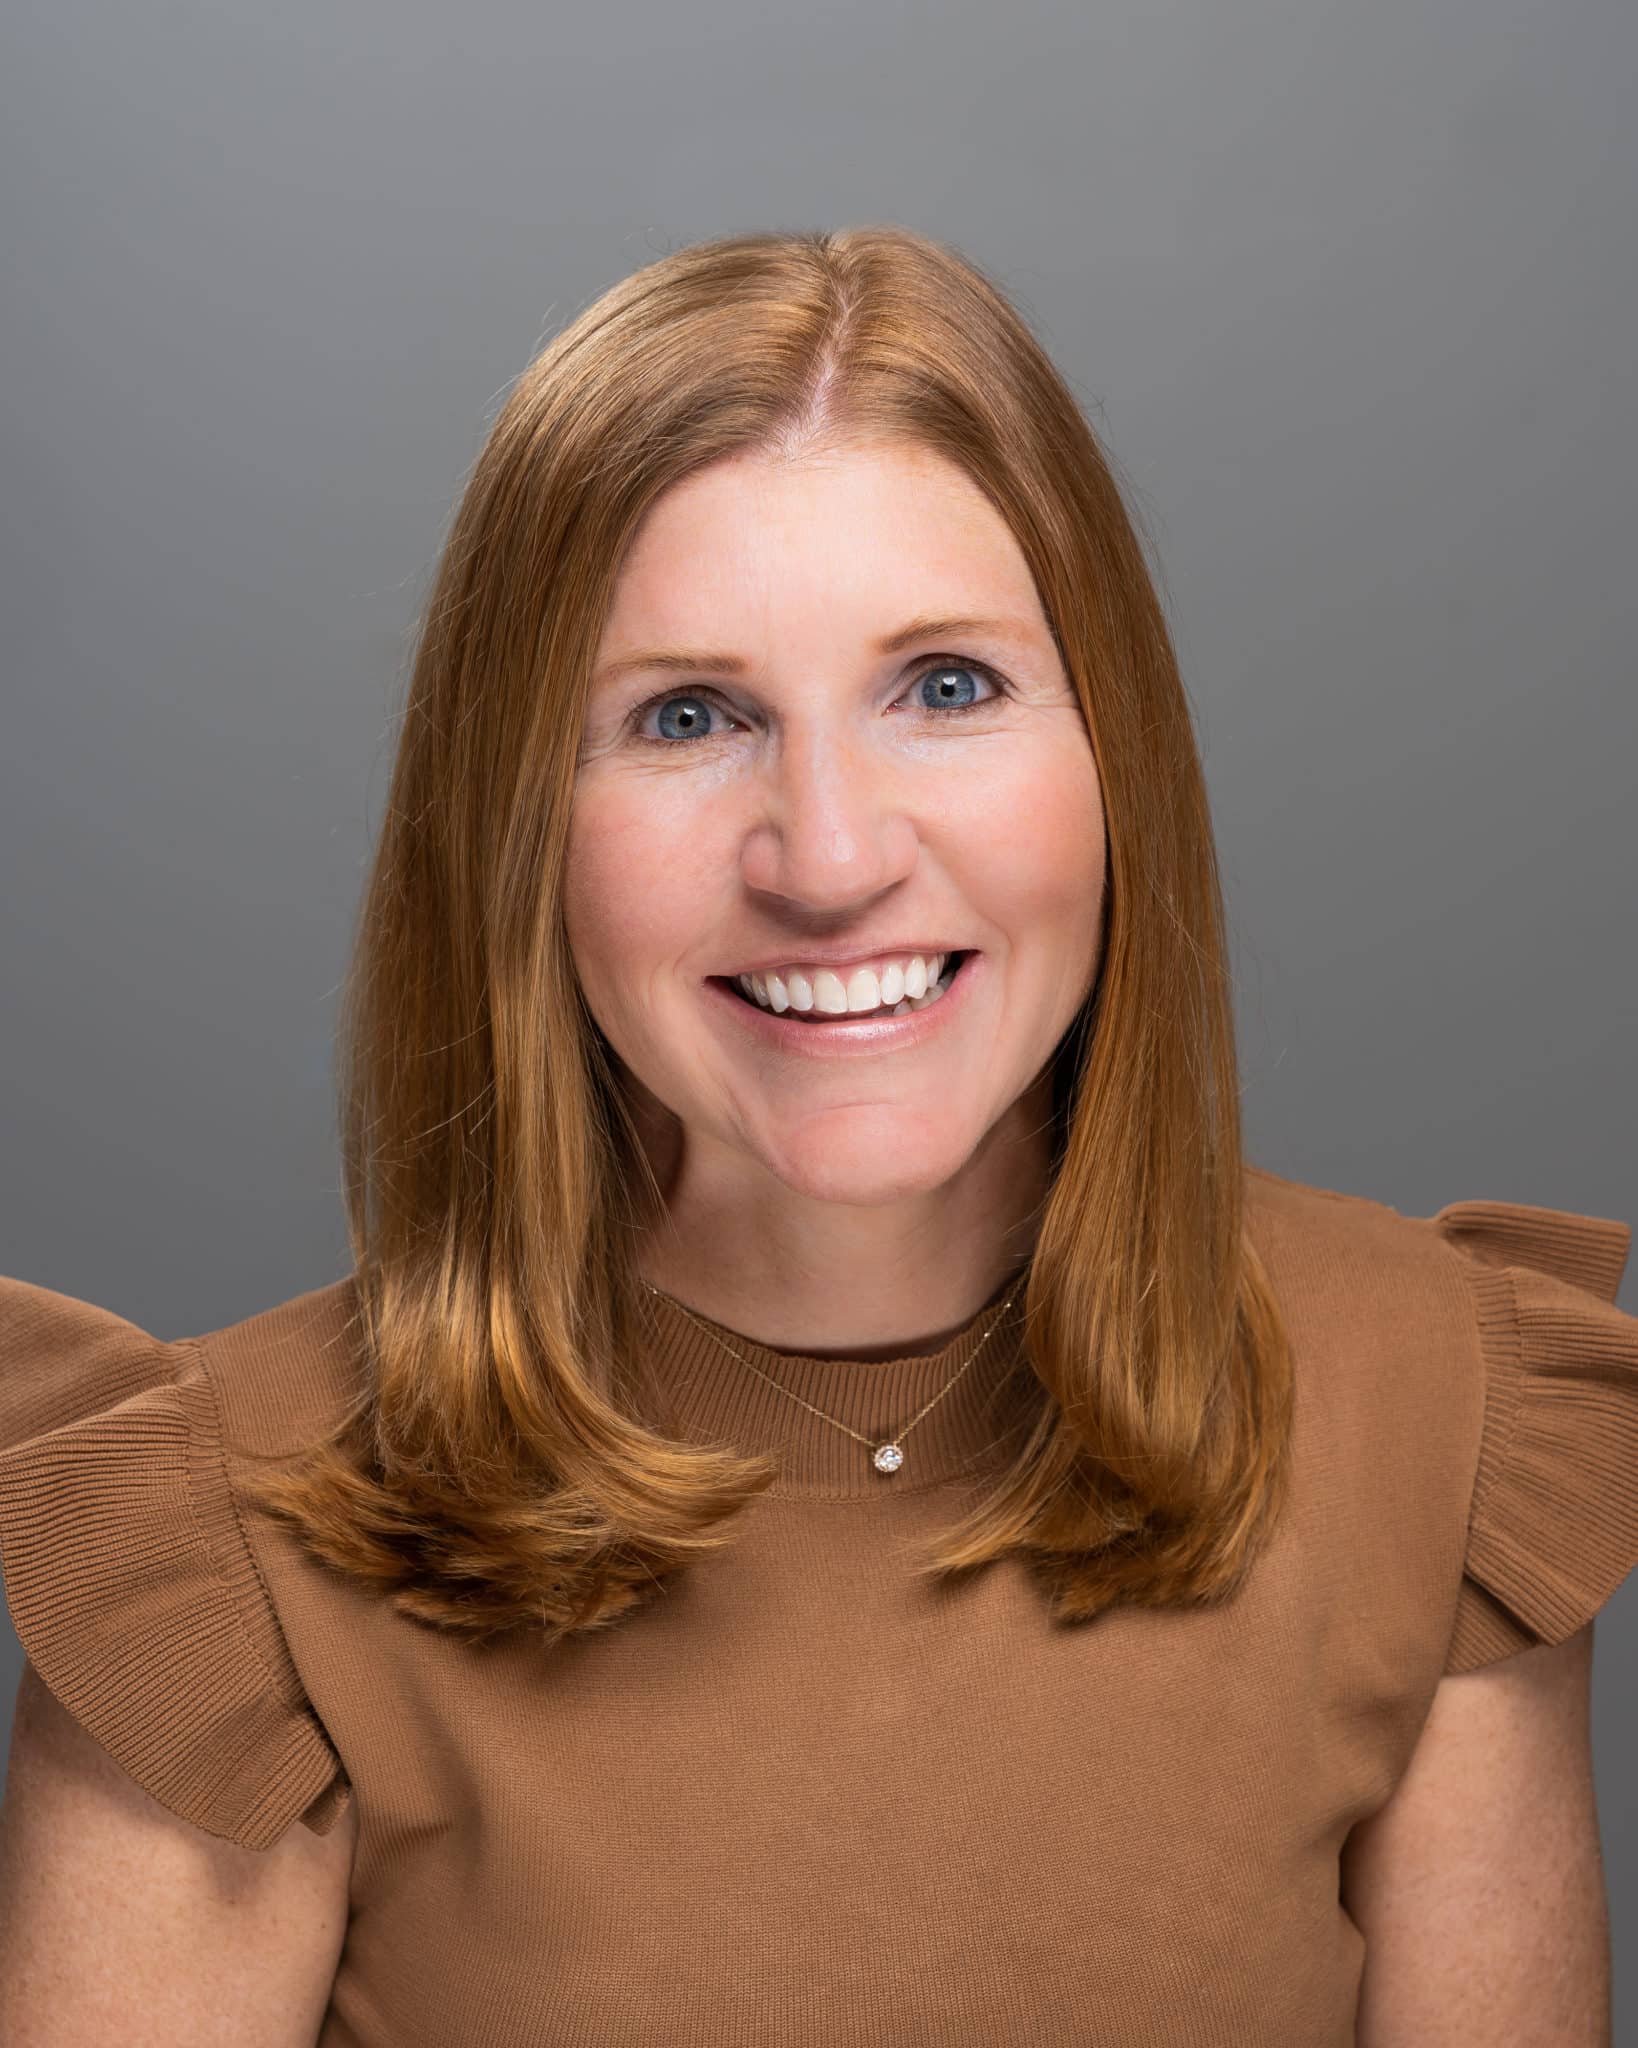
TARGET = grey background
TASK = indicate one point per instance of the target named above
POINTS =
(1349, 291)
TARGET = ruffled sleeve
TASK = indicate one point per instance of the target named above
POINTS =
(131, 1582)
(1553, 1521)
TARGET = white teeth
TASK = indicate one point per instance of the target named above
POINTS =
(905, 984)
(830, 996)
(864, 991)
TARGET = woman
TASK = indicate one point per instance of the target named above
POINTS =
(832, 1505)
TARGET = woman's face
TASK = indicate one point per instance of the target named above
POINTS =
(811, 783)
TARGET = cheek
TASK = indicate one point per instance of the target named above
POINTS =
(636, 888)
(1030, 834)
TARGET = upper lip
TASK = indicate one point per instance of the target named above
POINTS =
(836, 956)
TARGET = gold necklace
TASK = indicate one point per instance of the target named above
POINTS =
(886, 1457)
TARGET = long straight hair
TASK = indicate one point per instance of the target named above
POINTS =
(503, 1467)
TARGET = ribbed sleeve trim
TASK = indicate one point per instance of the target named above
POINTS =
(130, 1581)
(1553, 1522)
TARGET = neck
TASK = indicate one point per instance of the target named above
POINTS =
(842, 1281)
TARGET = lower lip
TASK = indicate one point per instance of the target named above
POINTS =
(848, 1038)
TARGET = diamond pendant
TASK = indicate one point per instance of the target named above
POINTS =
(887, 1458)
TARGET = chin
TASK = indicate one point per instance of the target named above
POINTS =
(885, 1167)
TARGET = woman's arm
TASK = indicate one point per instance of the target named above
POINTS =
(1479, 1887)
(121, 1925)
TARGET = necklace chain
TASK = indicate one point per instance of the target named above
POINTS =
(886, 1456)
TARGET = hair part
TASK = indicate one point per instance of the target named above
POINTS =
(512, 1463)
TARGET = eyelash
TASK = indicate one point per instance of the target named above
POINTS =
(707, 695)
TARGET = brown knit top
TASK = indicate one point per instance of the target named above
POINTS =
(803, 1797)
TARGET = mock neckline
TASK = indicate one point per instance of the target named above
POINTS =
(719, 1400)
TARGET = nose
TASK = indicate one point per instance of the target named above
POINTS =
(831, 826)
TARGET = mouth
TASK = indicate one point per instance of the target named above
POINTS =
(887, 1028)
(846, 1016)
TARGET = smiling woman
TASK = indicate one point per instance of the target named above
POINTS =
(849, 804)
(833, 1501)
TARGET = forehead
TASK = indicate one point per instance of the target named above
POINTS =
(838, 541)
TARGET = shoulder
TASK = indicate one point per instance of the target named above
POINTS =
(288, 1373)
(1348, 1268)
(1489, 1330)
(60, 1354)
(128, 1574)
(78, 1373)
(1323, 1240)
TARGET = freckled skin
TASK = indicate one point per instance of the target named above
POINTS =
(826, 795)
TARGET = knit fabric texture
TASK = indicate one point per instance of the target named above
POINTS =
(801, 1796)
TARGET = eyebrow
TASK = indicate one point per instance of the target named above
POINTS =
(931, 626)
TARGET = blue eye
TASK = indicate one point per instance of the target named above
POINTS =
(693, 720)
(690, 727)
(939, 675)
